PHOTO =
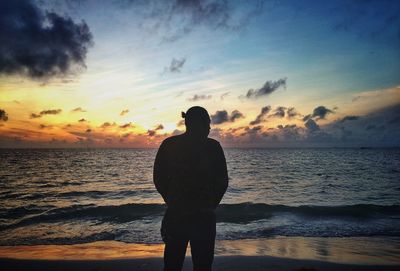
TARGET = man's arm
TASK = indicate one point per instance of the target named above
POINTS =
(221, 175)
(160, 172)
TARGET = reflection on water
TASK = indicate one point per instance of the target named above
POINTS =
(354, 250)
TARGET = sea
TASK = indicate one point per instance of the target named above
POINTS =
(76, 196)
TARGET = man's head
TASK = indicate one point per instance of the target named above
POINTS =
(197, 121)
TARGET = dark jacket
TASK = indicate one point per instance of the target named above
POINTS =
(190, 175)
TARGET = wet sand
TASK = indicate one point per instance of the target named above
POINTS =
(281, 253)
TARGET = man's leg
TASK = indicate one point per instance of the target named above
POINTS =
(173, 235)
(202, 242)
(202, 254)
(174, 254)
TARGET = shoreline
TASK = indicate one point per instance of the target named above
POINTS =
(282, 252)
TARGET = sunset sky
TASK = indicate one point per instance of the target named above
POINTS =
(270, 73)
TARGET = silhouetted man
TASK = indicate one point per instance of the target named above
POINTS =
(190, 174)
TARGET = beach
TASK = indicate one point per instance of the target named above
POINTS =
(285, 209)
(262, 254)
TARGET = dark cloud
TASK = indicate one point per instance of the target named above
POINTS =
(177, 18)
(279, 112)
(199, 97)
(159, 127)
(126, 125)
(223, 116)
(219, 117)
(123, 112)
(292, 112)
(88, 130)
(236, 114)
(46, 112)
(78, 109)
(51, 112)
(108, 124)
(290, 133)
(82, 120)
(3, 115)
(260, 118)
(319, 112)
(311, 125)
(347, 118)
(40, 44)
(306, 117)
(175, 66)
(35, 116)
(267, 88)
(151, 132)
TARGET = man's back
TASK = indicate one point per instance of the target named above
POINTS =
(190, 174)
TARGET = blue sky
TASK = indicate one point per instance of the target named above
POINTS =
(329, 53)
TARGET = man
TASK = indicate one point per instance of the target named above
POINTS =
(190, 174)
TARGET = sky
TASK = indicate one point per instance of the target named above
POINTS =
(119, 73)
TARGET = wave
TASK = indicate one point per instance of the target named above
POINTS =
(227, 213)
(245, 212)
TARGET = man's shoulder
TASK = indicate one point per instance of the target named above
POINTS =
(213, 142)
(171, 140)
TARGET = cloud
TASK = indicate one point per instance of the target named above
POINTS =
(82, 120)
(175, 19)
(391, 93)
(126, 125)
(78, 109)
(35, 116)
(107, 125)
(123, 112)
(236, 114)
(46, 112)
(219, 117)
(319, 112)
(223, 116)
(180, 123)
(151, 133)
(292, 112)
(159, 127)
(199, 97)
(3, 115)
(176, 132)
(88, 130)
(260, 118)
(42, 126)
(347, 118)
(224, 95)
(311, 125)
(51, 112)
(175, 66)
(279, 112)
(40, 44)
(266, 89)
